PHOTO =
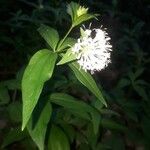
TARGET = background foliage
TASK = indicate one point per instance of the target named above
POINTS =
(125, 123)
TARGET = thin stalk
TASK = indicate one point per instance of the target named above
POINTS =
(62, 41)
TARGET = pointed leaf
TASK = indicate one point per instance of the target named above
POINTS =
(67, 57)
(57, 139)
(69, 102)
(110, 124)
(4, 95)
(39, 70)
(87, 80)
(139, 72)
(141, 92)
(123, 83)
(72, 10)
(39, 131)
(83, 18)
(96, 118)
(69, 42)
(69, 130)
(78, 13)
(15, 109)
(13, 136)
(50, 35)
(77, 107)
(80, 114)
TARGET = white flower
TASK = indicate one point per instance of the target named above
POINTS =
(92, 49)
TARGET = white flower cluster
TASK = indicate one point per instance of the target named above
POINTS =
(92, 49)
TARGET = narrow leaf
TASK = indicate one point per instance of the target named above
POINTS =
(67, 57)
(69, 130)
(83, 18)
(72, 10)
(4, 95)
(110, 124)
(12, 136)
(141, 92)
(39, 131)
(69, 42)
(79, 108)
(123, 83)
(80, 114)
(57, 139)
(95, 121)
(87, 80)
(139, 72)
(50, 35)
(39, 70)
(69, 102)
(15, 109)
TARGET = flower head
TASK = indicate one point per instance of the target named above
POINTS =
(92, 49)
(81, 11)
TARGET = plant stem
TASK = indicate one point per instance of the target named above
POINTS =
(62, 41)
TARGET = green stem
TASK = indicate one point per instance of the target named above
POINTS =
(62, 41)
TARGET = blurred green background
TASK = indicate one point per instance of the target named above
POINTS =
(125, 82)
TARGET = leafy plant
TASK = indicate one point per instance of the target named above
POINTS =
(66, 109)
(41, 68)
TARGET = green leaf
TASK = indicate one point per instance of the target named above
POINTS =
(72, 10)
(96, 118)
(109, 112)
(69, 42)
(87, 80)
(78, 13)
(12, 136)
(83, 18)
(50, 35)
(114, 142)
(69, 130)
(81, 137)
(141, 92)
(123, 83)
(12, 84)
(84, 146)
(91, 137)
(4, 96)
(15, 109)
(141, 82)
(131, 114)
(131, 76)
(38, 71)
(79, 113)
(69, 102)
(80, 108)
(110, 124)
(38, 131)
(67, 57)
(57, 139)
(97, 104)
(139, 72)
